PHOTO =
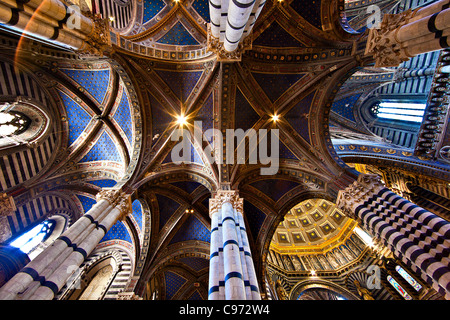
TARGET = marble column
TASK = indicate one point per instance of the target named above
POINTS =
(404, 35)
(42, 278)
(232, 274)
(54, 21)
(229, 33)
(418, 237)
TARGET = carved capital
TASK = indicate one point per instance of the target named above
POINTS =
(98, 41)
(7, 205)
(128, 296)
(223, 196)
(383, 44)
(123, 203)
(109, 195)
(215, 45)
(358, 192)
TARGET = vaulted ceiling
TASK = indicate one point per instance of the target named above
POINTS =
(116, 116)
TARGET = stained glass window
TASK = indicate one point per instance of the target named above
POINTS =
(399, 288)
(29, 240)
(401, 111)
(13, 123)
(408, 278)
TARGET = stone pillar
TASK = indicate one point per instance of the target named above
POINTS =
(232, 273)
(407, 34)
(418, 237)
(54, 21)
(43, 277)
(229, 33)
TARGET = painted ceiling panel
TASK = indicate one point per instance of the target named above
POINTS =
(276, 37)
(173, 283)
(181, 83)
(167, 207)
(104, 183)
(195, 263)
(192, 229)
(188, 186)
(195, 157)
(245, 115)
(123, 116)
(297, 116)
(137, 212)
(178, 36)
(104, 149)
(274, 85)
(202, 8)
(118, 232)
(77, 117)
(344, 107)
(274, 188)
(161, 118)
(255, 218)
(285, 153)
(94, 81)
(310, 10)
(205, 114)
(314, 221)
(86, 202)
(195, 296)
(151, 9)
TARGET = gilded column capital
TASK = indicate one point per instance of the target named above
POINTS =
(123, 204)
(98, 41)
(222, 196)
(109, 195)
(215, 45)
(383, 44)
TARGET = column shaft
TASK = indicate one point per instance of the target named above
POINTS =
(421, 27)
(418, 237)
(215, 12)
(238, 13)
(215, 257)
(43, 277)
(60, 276)
(232, 273)
(234, 280)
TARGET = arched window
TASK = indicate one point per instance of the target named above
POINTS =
(13, 123)
(399, 288)
(399, 111)
(405, 275)
(31, 239)
(23, 121)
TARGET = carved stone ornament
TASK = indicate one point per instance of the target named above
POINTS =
(358, 192)
(123, 203)
(109, 195)
(128, 296)
(223, 196)
(98, 42)
(382, 43)
(216, 46)
(7, 205)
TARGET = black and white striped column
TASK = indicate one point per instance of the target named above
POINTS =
(44, 276)
(232, 273)
(418, 237)
(233, 20)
